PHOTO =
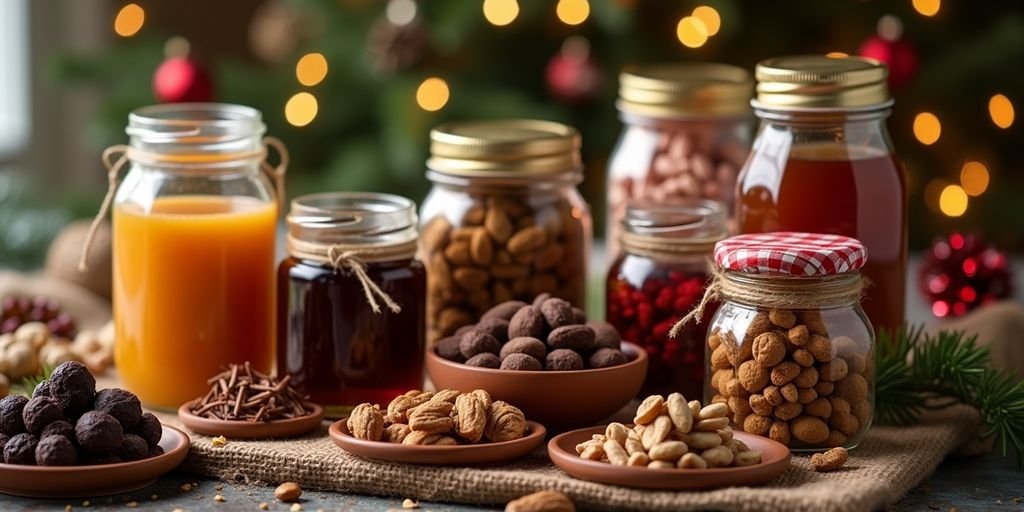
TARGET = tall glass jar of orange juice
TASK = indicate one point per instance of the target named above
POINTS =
(194, 236)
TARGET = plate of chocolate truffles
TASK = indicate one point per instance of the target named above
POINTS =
(70, 440)
(560, 369)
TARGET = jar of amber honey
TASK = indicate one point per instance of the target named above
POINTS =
(822, 162)
(351, 299)
(193, 248)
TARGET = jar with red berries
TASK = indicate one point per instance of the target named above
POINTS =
(658, 278)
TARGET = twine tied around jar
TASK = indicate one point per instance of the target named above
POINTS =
(774, 292)
(128, 153)
(353, 258)
(668, 249)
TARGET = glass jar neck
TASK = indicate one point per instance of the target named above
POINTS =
(818, 134)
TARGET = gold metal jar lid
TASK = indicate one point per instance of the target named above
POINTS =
(820, 82)
(504, 147)
(685, 89)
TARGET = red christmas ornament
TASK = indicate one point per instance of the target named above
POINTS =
(889, 47)
(182, 79)
(962, 272)
(571, 75)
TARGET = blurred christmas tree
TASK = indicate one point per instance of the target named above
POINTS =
(353, 86)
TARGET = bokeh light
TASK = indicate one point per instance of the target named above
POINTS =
(712, 20)
(400, 12)
(837, 55)
(129, 20)
(974, 178)
(953, 201)
(301, 109)
(927, 128)
(692, 32)
(932, 191)
(432, 94)
(1000, 108)
(573, 12)
(311, 69)
(927, 7)
(501, 12)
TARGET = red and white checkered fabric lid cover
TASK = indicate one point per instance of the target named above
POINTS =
(787, 253)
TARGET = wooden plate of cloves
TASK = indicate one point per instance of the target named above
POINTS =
(244, 403)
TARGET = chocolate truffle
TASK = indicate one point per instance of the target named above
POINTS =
(527, 322)
(524, 345)
(504, 311)
(11, 408)
(56, 451)
(557, 312)
(133, 448)
(42, 389)
(149, 428)
(521, 362)
(448, 348)
(73, 387)
(573, 337)
(605, 335)
(123, 405)
(497, 327)
(484, 360)
(21, 449)
(540, 299)
(563, 359)
(59, 428)
(476, 342)
(40, 412)
(606, 357)
(99, 433)
(578, 315)
(463, 330)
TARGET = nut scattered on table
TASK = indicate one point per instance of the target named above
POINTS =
(671, 433)
(830, 460)
(543, 501)
(288, 492)
(410, 504)
(446, 417)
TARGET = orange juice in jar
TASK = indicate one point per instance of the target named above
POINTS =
(194, 250)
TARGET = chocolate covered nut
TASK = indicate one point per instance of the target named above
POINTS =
(40, 412)
(521, 362)
(573, 337)
(528, 321)
(524, 345)
(578, 315)
(504, 310)
(606, 358)
(58, 451)
(11, 408)
(73, 387)
(540, 299)
(484, 360)
(99, 433)
(123, 405)
(149, 428)
(557, 312)
(448, 348)
(133, 448)
(563, 360)
(496, 327)
(605, 335)
(476, 342)
(59, 428)
(21, 449)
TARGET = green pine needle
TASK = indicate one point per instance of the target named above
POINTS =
(917, 372)
(28, 384)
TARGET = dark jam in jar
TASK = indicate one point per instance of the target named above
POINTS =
(658, 279)
(331, 342)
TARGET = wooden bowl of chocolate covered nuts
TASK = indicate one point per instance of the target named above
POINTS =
(561, 370)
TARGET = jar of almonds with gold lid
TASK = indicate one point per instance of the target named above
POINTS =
(504, 220)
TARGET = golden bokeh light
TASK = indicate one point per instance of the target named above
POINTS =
(974, 178)
(311, 69)
(927, 7)
(927, 128)
(692, 32)
(1000, 108)
(712, 20)
(301, 109)
(432, 95)
(129, 20)
(953, 201)
(932, 191)
(837, 55)
(573, 12)
(501, 12)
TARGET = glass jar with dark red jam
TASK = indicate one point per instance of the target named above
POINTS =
(658, 278)
(351, 299)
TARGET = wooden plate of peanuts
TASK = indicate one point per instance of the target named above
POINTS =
(672, 445)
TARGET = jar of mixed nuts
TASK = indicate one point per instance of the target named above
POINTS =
(659, 277)
(790, 350)
(687, 133)
(504, 220)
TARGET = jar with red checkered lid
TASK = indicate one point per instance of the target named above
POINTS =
(790, 350)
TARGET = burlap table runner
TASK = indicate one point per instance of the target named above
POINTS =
(889, 463)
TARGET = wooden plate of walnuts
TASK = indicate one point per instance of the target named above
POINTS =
(446, 427)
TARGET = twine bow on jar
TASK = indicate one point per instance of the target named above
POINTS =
(353, 259)
(183, 163)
